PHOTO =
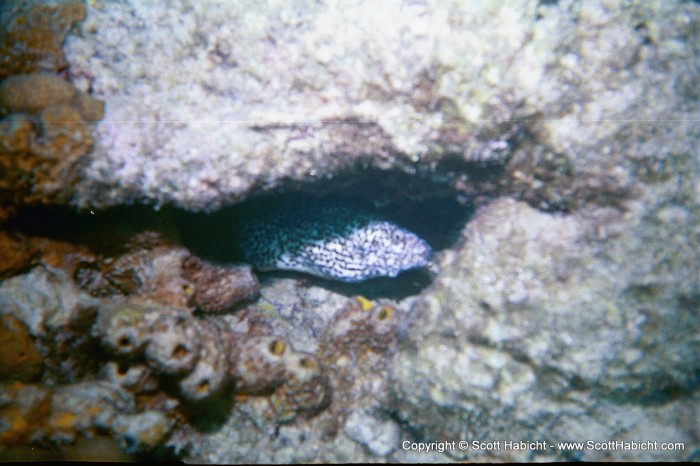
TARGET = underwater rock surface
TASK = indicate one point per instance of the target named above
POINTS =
(44, 131)
(282, 95)
(32, 32)
(567, 309)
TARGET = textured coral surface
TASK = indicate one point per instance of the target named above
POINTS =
(564, 306)
(44, 131)
(32, 33)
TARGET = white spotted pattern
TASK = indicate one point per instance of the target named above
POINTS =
(333, 242)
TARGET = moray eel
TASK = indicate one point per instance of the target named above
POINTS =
(335, 241)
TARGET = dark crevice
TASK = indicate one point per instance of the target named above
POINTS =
(432, 209)
(105, 233)
(426, 202)
(437, 217)
(435, 199)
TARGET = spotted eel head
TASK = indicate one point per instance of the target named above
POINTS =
(388, 249)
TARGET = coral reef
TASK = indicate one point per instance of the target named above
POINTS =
(127, 321)
(35, 413)
(44, 131)
(20, 360)
(557, 308)
(40, 157)
(31, 34)
(356, 350)
(172, 344)
(153, 270)
(481, 84)
(566, 309)
(335, 105)
(32, 93)
(549, 181)
(218, 288)
(153, 362)
(205, 358)
(354, 355)
(17, 254)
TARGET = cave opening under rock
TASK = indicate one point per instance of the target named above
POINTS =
(428, 202)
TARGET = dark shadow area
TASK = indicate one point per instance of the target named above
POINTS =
(406, 284)
(104, 232)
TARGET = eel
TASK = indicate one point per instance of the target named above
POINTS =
(331, 240)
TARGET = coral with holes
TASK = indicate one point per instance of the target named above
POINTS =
(62, 311)
(171, 344)
(203, 357)
(264, 364)
(148, 345)
(354, 352)
(153, 270)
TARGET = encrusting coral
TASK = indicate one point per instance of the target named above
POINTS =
(32, 93)
(43, 136)
(30, 413)
(153, 270)
(31, 34)
(204, 357)
(19, 359)
(133, 312)
(45, 128)
(150, 360)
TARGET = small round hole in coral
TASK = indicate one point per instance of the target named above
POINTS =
(307, 363)
(124, 341)
(384, 313)
(277, 348)
(180, 351)
(203, 386)
(122, 369)
(128, 444)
